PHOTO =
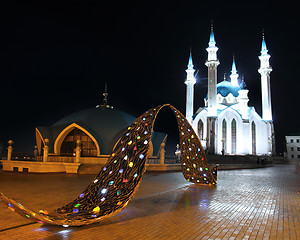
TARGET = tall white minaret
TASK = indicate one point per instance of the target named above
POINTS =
(265, 70)
(234, 76)
(190, 81)
(212, 63)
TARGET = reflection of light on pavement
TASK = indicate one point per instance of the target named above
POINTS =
(64, 234)
(203, 203)
(41, 229)
(61, 235)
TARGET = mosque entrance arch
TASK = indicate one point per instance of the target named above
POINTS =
(67, 138)
(88, 147)
(114, 186)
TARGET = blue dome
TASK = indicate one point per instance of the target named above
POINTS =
(225, 87)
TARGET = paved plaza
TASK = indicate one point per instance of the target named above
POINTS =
(246, 204)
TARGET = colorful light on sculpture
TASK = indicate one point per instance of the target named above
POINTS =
(116, 183)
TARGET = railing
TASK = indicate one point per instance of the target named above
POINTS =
(23, 156)
(168, 160)
(71, 159)
(65, 159)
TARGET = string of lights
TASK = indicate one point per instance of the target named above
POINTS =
(118, 180)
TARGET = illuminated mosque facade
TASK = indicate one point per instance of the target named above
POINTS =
(226, 124)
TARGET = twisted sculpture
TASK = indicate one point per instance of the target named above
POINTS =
(117, 181)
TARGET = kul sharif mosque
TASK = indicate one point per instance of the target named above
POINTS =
(226, 124)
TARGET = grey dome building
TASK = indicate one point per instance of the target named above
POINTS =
(98, 130)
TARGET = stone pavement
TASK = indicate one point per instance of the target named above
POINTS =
(246, 204)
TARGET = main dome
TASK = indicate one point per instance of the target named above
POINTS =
(225, 87)
(104, 124)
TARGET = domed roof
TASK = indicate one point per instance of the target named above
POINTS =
(104, 124)
(225, 87)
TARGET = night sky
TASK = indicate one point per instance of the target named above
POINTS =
(56, 56)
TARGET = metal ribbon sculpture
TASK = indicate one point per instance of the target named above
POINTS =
(118, 180)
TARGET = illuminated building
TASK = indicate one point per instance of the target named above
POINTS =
(226, 124)
(98, 129)
(293, 147)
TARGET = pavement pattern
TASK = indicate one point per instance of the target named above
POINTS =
(246, 204)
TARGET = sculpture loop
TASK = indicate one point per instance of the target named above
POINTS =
(118, 180)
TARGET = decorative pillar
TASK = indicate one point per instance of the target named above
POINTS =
(9, 150)
(46, 150)
(162, 153)
(211, 133)
(77, 151)
(35, 152)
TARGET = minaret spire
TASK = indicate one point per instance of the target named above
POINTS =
(265, 70)
(190, 81)
(234, 76)
(105, 94)
(212, 41)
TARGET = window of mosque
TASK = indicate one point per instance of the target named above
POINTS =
(253, 130)
(200, 129)
(233, 136)
(224, 135)
(88, 147)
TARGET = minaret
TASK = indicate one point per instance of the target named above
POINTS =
(265, 70)
(212, 63)
(234, 76)
(190, 81)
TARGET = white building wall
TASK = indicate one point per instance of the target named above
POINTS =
(293, 147)
(262, 134)
(229, 114)
(243, 132)
(203, 117)
(245, 144)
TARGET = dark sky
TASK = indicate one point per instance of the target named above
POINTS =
(56, 56)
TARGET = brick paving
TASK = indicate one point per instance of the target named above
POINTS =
(245, 204)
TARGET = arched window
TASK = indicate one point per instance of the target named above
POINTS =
(200, 129)
(224, 136)
(88, 147)
(233, 136)
(253, 133)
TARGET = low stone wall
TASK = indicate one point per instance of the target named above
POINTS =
(94, 160)
(163, 167)
(40, 167)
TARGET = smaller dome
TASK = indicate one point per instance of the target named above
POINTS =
(225, 87)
